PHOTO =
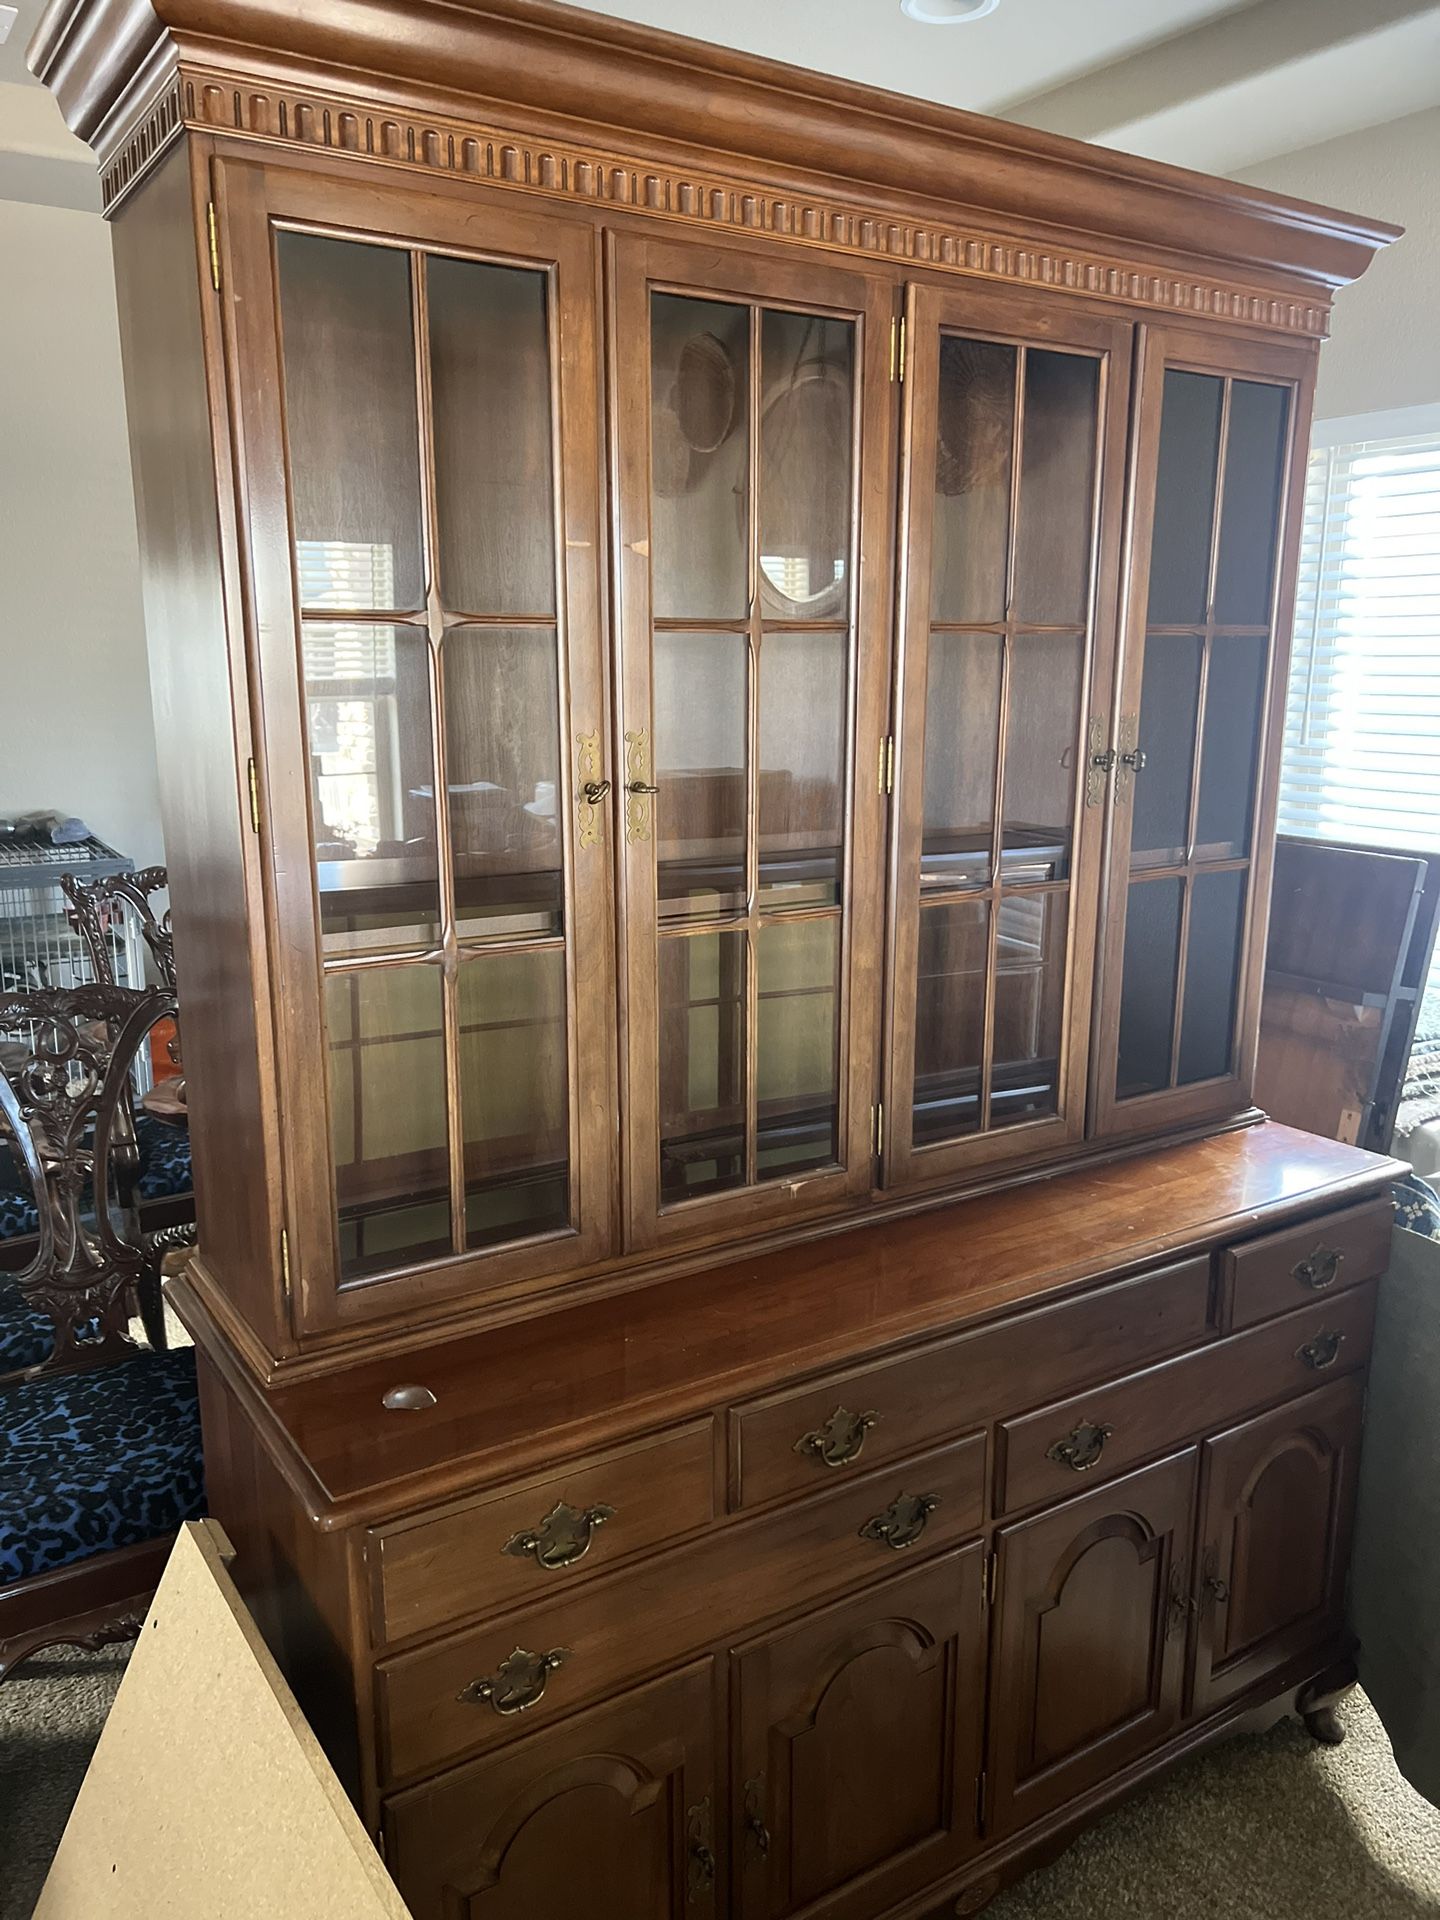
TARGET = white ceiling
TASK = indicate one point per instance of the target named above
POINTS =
(1213, 84)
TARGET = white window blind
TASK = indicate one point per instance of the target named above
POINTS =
(1362, 727)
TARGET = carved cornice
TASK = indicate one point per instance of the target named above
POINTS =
(211, 102)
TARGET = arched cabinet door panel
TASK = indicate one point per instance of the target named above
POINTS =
(859, 1748)
(1092, 1619)
(1278, 1508)
(612, 1815)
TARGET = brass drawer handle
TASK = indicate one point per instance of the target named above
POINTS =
(1082, 1446)
(701, 1877)
(1321, 1352)
(1216, 1590)
(902, 1522)
(1319, 1268)
(564, 1536)
(519, 1683)
(1179, 1606)
(757, 1834)
(840, 1440)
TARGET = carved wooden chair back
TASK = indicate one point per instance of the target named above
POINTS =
(64, 1104)
(90, 902)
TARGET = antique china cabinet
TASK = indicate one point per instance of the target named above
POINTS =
(719, 638)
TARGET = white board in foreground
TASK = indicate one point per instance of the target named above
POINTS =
(208, 1793)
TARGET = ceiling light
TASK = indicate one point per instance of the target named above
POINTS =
(947, 13)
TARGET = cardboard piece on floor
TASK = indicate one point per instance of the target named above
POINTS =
(208, 1793)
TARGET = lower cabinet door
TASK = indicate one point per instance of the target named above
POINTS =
(1278, 1506)
(859, 1745)
(1092, 1617)
(611, 1814)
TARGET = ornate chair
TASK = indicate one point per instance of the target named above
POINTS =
(101, 1431)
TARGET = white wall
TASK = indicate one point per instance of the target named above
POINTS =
(75, 725)
(1384, 349)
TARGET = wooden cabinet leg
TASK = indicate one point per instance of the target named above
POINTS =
(1317, 1702)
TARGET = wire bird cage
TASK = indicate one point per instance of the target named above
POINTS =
(39, 946)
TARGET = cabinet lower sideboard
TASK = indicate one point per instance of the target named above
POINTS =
(837, 1641)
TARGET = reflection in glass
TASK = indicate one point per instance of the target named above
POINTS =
(494, 483)
(975, 435)
(1041, 751)
(950, 1020)
(1184, 498)
(962, 726)
(502, 727)
(1212, 975)
(1169, 702)
(372, 785)
(513, 1094)
(701, 991)
(699, 706)
(700, 454)
(1234, 700)
(1030, 936)
(1147, 994)
(1254, 472)
(802, 767)
(806, 429)
(797, 1047)
(351, 422)
(1057, 480)
(387, 1116)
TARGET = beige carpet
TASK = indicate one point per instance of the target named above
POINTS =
(1270, 1827)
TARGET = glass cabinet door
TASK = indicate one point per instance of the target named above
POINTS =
(1207, 638)
(424, 549)
(751, 409)
(1014, 428)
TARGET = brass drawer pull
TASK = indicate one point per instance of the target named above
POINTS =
(1216, 1590)
(701, 1878)
(1082, 1446)
(519, 1683)
(1179, 1606)
(902, 1522)
(563, 1536)
(1319, 1268)
(840, 1440)
(757, 1834)
(1321, 1352)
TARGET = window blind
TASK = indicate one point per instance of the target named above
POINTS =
(1362, 727)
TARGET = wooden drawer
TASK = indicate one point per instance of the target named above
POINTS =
(913, 1401)
(498, 1550)
(728, 1582)
(1062, 1448)
(1283, 1270)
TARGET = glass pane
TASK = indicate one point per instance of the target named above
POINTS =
(494, 477)
(1254, 470)
(699, 700)
(372, 785)
(950, 1020)
(700, 457)
(1234, 696)
(350, 419)
(797, 1044)
(807, 410)
(514, 1095)
(975, 435)
(1057, 480)
(387, 1116)
(1030, 940)
(802, 767)
(1147, 988)
(702, 1063)
(1212, 974)
(1041, 750)
(962, 730)
(1169, 705)
(1184, 498)
(502, 731)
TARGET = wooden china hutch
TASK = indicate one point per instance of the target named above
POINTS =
(719, 642)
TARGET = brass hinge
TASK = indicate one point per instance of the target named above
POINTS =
(886, 780)
(897, 349)
(285, 1257)
(214, 245)
(982, 1789)
(877, 1128)
(254, 784)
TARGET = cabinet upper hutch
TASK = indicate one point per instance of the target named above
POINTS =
(702, 694)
